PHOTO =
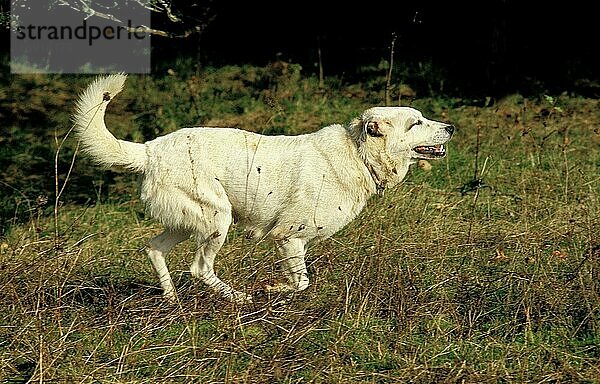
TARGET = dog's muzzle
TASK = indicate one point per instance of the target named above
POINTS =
(434, 151)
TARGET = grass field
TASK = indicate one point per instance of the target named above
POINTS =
(484, 269)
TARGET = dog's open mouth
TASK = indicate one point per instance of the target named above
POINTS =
(431, 151)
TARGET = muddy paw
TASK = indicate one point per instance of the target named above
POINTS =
(239, 298)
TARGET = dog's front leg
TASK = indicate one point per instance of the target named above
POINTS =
(292, 253)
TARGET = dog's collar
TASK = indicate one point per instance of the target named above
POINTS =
(379, 184)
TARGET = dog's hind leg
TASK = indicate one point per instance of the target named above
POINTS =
(292, 253)
(210, 241)
(157, 249)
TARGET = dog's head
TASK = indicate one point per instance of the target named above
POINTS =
(391, 138)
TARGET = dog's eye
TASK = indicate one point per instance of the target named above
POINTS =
(418, 122)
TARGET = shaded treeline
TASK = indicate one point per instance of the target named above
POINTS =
(462, 48)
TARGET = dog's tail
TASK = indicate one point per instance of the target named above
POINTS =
(96, 140)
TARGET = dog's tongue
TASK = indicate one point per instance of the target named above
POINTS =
(434, 150)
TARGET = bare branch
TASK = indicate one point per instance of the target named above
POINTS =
(92, 8)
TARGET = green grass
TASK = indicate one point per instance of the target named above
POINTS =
(436, 281)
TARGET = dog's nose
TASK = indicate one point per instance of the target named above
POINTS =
(449, 129)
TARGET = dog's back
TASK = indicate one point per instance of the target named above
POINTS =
(274, 184)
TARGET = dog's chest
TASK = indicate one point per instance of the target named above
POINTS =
(304, 219)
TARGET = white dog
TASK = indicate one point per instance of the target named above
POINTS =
(292, 189)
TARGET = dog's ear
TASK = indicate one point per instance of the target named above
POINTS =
(372, 128)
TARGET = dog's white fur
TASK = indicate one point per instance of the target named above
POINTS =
(292, 189)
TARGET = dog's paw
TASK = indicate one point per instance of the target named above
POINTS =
(170, 297)
(238, 297)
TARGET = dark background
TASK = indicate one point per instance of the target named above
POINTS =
(477, 47)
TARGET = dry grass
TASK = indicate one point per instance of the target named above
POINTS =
(441, 280)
